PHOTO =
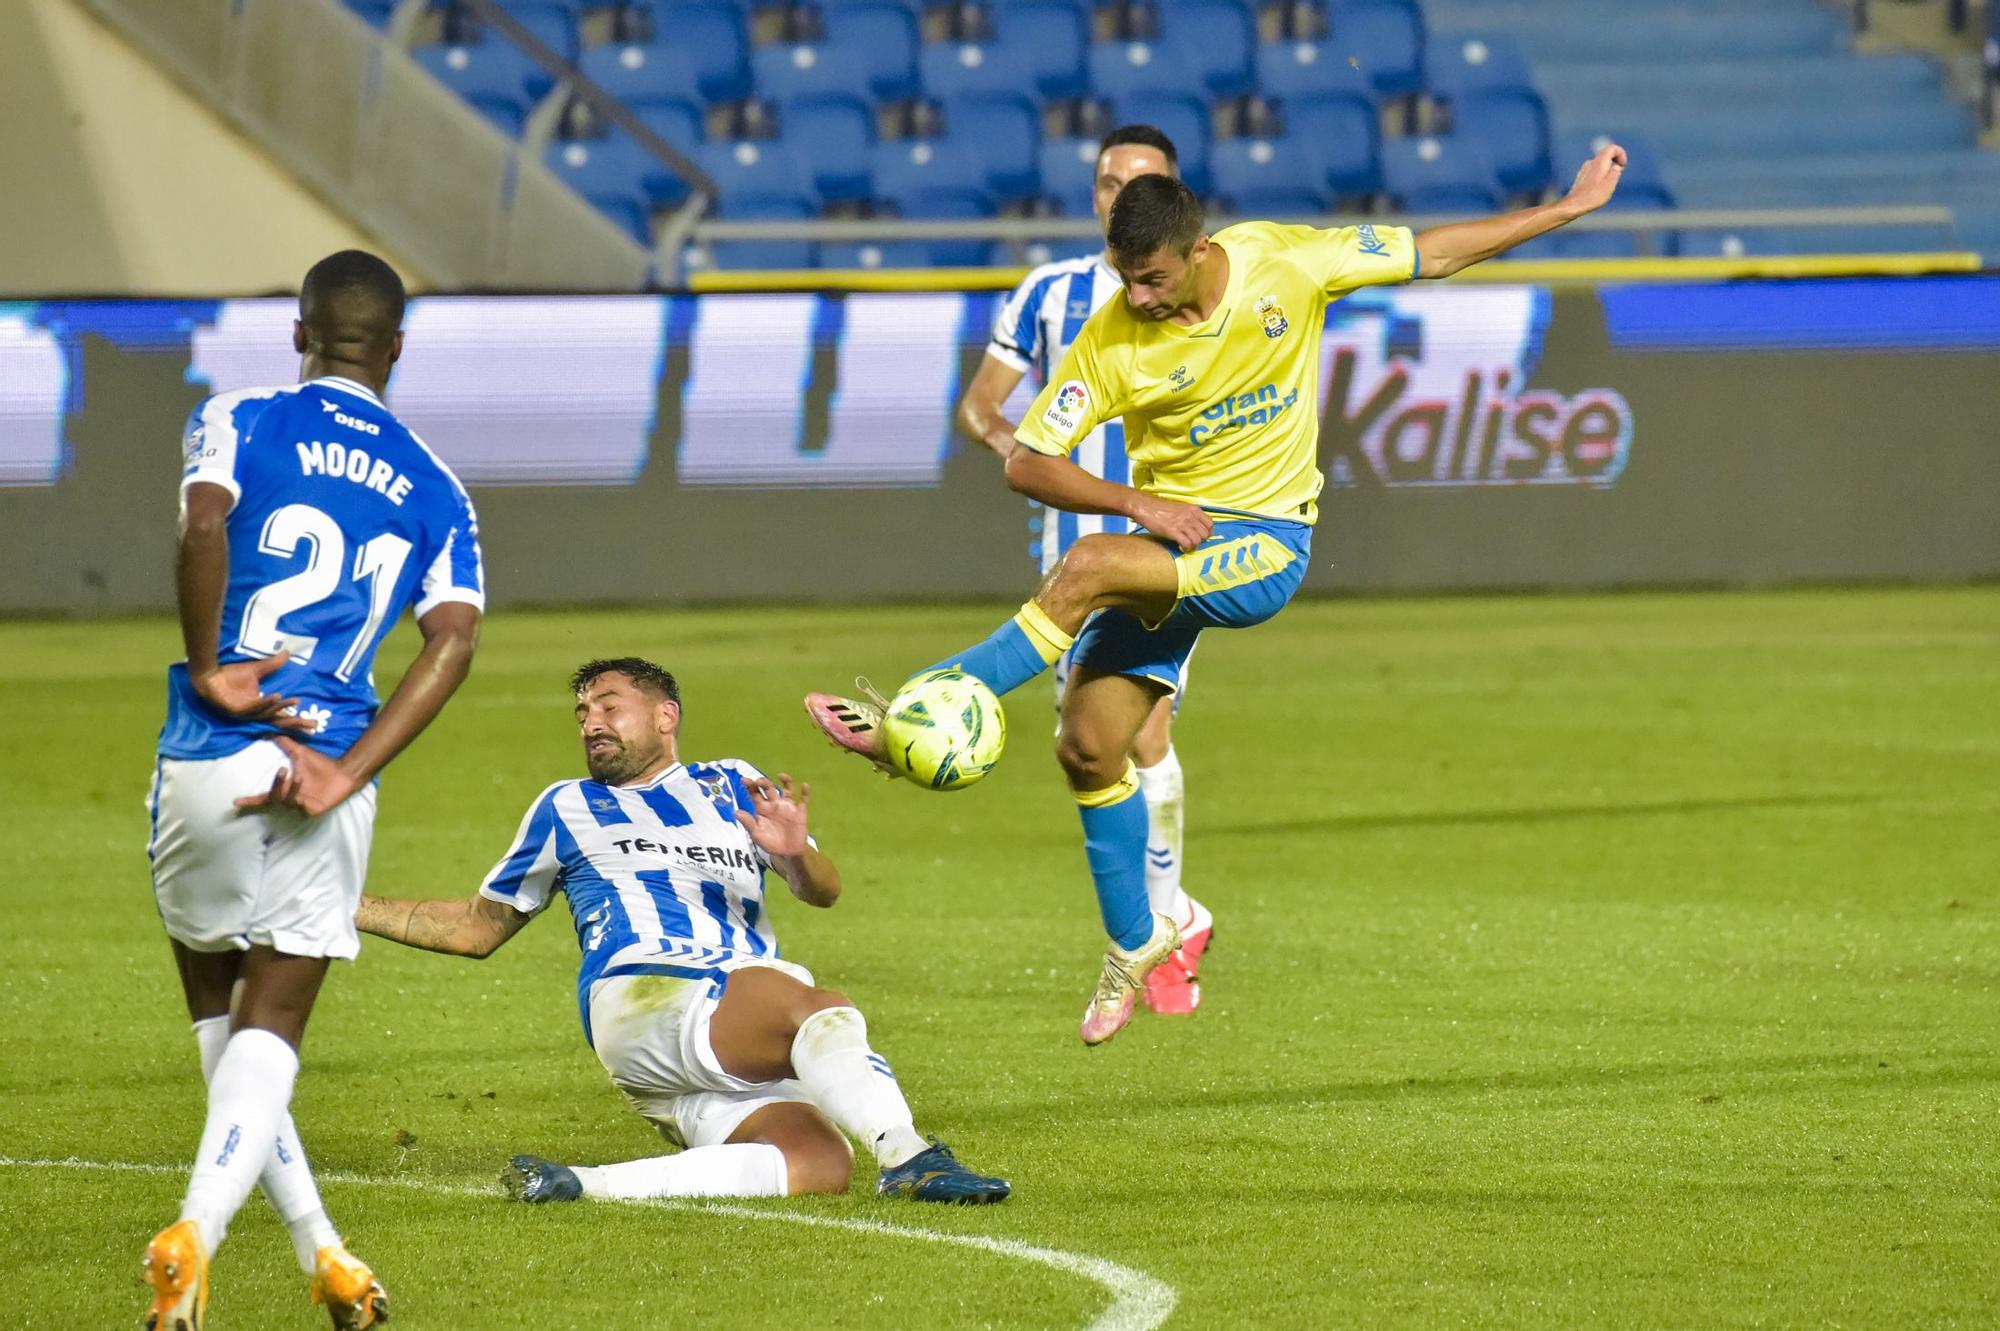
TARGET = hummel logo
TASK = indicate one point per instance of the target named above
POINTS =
(329, 406)
(1180, 377)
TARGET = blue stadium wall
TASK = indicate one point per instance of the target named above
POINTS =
(721, 447)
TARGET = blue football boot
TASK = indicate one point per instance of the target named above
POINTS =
(937, 1176)
(529, 1178)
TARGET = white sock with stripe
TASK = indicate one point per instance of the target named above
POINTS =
(287, 1180)
(1165, 793)
(735, 1169)
(853, 1084)
(247, 1099)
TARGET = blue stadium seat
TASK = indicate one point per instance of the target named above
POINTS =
(1069, 174)
(1120, 69)
(1642, 185)
(791, 70)
(611, 173)
(835, 136)
(1342, 138)
(1006, 133)
(1214, 38)
(493, 76)
(554, 25)
(1484, 78)
(883, 38)
(635, 72)
(1045, 42)
(927, 178)
(1050, 251)
(742, 254)
(761, 175)
(904, 254)
(1437, 173)
(714, 38)
(375, 12)
(1266, 178)
(1310, 69)
(966, 69)
(679, 123)
(1184, 119)
(1387, 38)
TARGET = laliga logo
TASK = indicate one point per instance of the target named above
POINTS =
(1413, 411)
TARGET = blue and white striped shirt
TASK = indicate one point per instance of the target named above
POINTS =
(660, 878)
(1035, 326)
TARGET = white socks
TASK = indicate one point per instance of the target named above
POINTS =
(853, 1084)
(248, 1096)
(738, 1169)
(287, 1178)
(1162, 787)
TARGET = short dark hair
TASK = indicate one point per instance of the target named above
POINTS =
(652, 678)
(1152, 213)
(1142, 136)
(352, 297)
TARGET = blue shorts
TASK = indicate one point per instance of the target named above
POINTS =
(1241, 575)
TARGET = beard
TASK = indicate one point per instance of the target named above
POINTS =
(618, 764)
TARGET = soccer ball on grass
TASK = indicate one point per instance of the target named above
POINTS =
(944, 730)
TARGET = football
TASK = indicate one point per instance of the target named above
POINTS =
(944, 730)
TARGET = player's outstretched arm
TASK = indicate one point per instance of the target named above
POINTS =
(981, 417)
(1060, 483)
(463, 927)
(316, 783)
(1444, 250)
(778, 826)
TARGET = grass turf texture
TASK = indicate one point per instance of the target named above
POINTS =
(1594, 961)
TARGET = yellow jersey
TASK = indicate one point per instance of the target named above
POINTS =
(1223, 413)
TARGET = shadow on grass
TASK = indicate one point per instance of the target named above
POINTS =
(1546, 813)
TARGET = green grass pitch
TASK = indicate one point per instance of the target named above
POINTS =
(1597, 961)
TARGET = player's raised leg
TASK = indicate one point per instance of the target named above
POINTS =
(1134, 573)
(1102, 716)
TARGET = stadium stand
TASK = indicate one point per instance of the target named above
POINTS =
(1286, 107)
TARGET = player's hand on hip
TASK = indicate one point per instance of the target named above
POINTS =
(311, 784)
(1184, 524)
(779, 824)
(237, 690)
(1596, 182)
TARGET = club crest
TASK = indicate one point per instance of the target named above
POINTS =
(1272, 315)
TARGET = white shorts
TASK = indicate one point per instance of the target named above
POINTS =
(226, 879)
(651, 1034)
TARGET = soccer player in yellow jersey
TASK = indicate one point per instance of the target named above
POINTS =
(1212, 360)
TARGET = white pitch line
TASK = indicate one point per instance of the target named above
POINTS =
(1139, 1302)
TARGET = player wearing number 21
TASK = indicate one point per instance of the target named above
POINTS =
(310, 517)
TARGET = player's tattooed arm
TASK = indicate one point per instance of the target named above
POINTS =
(462, 927)
(778, 826)
(981, 417)
(1444, 250)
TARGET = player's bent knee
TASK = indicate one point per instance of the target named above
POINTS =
(822, 1165)
(1087, 761)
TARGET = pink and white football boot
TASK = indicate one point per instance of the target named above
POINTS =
(1174, 987)
(853, 725)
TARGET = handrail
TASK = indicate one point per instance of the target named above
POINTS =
(1081, 228)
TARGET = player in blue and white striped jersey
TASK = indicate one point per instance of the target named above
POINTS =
(1032, 331)
(732, 1053)
(310, 519)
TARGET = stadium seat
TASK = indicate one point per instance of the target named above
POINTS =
(1213, 38)
(925, 178)
(902, 254)
(1045, 42)
(1005, 132)
(679, 123)
(1069, 174)
(635, 72)
(742, 254)
(1184, 119)
(1386, 38)
(1342, 139)
(1266, 178)
(1310, 69)
(553, 25)
(611, 173)
(1483, 78)
(714, 37)
(1436, 173)
(883, 39)
(834, 136)
(968, 69)
(752, 174)
(1120, 69)
(375, 12)
(492, 75)
(791, 70)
